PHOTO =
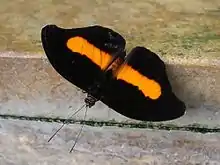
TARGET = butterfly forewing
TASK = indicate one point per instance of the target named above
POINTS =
(81, 54)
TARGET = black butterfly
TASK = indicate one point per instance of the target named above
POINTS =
(94, 59)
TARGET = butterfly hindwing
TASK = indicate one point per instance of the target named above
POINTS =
(80, 54)
(141, 89)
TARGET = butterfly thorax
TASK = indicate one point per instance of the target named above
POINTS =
(95, 91)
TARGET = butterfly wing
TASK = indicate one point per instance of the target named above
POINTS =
(80, 54)
(141, 89)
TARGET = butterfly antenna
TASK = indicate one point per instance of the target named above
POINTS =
(65, 122)
(79, 131)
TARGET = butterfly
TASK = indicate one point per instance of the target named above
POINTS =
(94, 59)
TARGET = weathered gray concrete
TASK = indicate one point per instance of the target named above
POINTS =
(30, 86)
(25, 142)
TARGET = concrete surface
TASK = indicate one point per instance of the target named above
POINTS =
(25, 143)
(29, 86)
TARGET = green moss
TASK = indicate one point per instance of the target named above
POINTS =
(196, 127)
(198, 39)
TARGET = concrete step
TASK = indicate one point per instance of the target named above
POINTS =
(29, 86)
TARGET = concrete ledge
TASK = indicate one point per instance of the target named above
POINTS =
(30, 86)
(103, 145)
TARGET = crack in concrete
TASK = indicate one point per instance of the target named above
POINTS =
(149, 125)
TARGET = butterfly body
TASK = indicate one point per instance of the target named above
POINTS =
(94, 59)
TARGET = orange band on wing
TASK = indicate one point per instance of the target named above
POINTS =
(150, 88)
(83, 47)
